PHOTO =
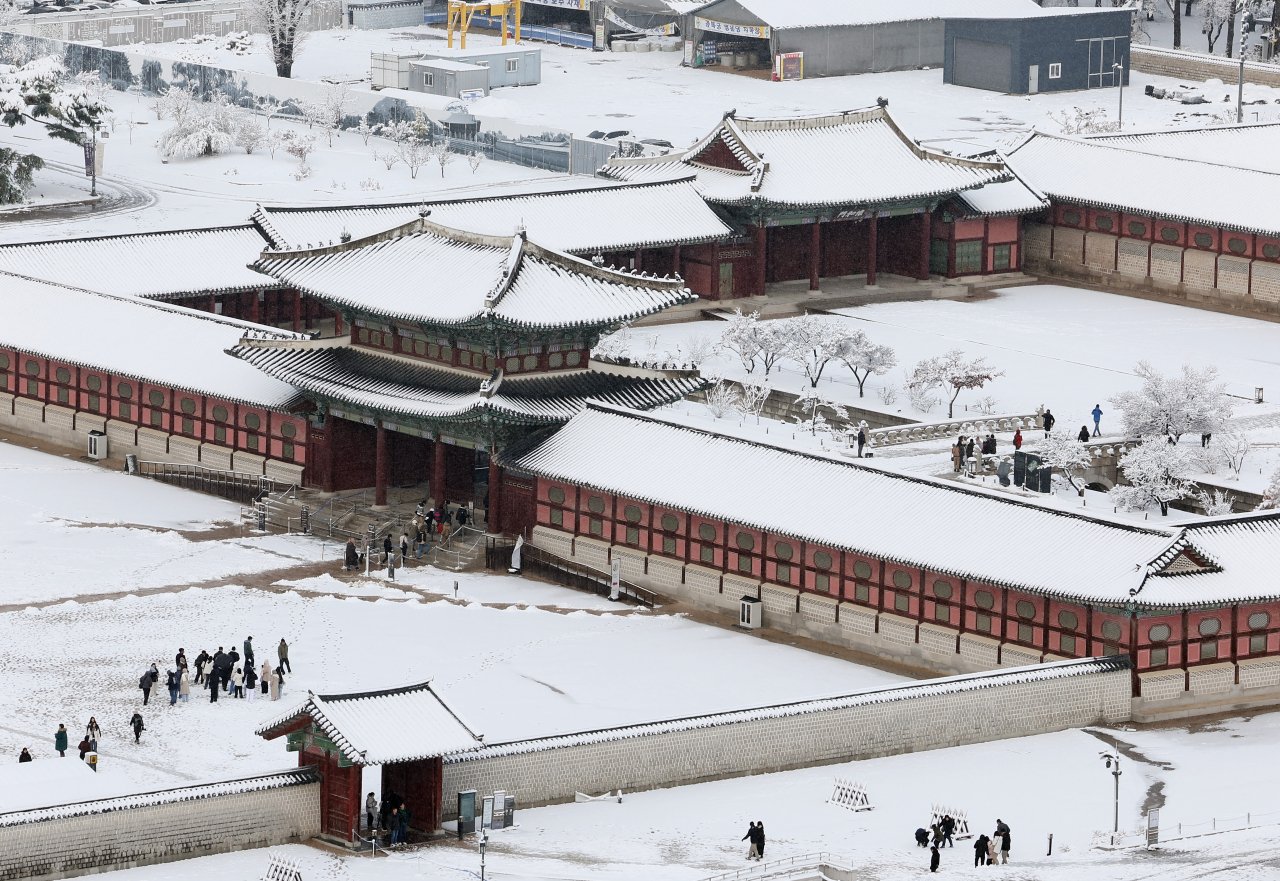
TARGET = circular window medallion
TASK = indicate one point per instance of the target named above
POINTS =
(901, 579)
(1103, 223)
(94, 383)
(707, 532)
(1068, 620)
(1259, 620)
(983, 599)
(746, 541)
(862, 569)
(33, 367)
(288, 429)
(632, 513)
(124, 390)
(822, 560)
(188, 406)
(220, 413)
(595, 505)
(1209, 626)
(556, 495)
(1111, 631)
(555, 359)
(1071, 217)
(1271, 252)
(782, 550)
(1237, 246)
(1159, 633)
(156, 399)
(63, 375)
(1137, 229)
(1203, 240)
(942, 589)
(1169, 233)
(670, 522)
(252, 420)
(1026, 609)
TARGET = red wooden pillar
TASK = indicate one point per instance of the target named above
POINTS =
(494, 514)
(255, 311)
(675, 262)
(337, 323)
(926, 231)
(871, 252)
(213, 303)
(437, 473)
(715, 272)
(815, 255)
(297, 311)
(761, 235)
(381, 468)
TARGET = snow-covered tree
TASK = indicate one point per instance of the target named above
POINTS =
(865, 358)
(174, 102)
(1173, 405)
(954, 374)
(206, 129)
(812, 403)
(364, 130)
(721, 398)
(1231, 447)
(813, 342)
(1155, 468)
(753, 397)
(1216, 503)
(95, 87)
(298, 145)
(415, 154)
(40, 92)
(1214, 15)
(1063, 451)
(334, 109)
(16, 171)
(741, 337)
(250, 134)
(474, 159)
(9, 13)
(775, 342)
(286, 23)
(441, 153)
(1271, 495)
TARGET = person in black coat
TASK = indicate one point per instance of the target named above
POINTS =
(980, 850)
(248, 651)
(948, 829)
(200, 659)
(180, 660)
(1049, 419)
(934, 858)
(1083, 436)
(352, 558)
(750, 838)
(24, 756)
(862, 441)
(233, 658)
(145, 684)
(922, 837)
(760, 838)
(136, 724)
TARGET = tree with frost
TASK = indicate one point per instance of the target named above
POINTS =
(1216, 503)
(9, 13)
(753, 397)
(334, 109)
(442, 154)
(741, 337)
(1064, 452)
(286, 24)
(814, 342)
(175, 102)
(812, 403)
(365, 131)
(1155, 470)
(40, 92)
(1231, 447)
(1271, 495)
(1214, 15)
(775, 342)
(474, 159)
(250, 134)
(721, 398)
(16, 170)
(865, 358)
(415, 154)
(954, 374)
(205, 130)
(1174, 405)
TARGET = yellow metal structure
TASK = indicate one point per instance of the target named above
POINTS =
(461, 12)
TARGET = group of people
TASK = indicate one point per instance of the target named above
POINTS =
(987, 849)
(222, 672)
(755, 836)
(88, 743)
(965, 448)
(430, 525)
(392, 816)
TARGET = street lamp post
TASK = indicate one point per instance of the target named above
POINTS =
(1118, 68)
(1113, 762)
(1244, 38)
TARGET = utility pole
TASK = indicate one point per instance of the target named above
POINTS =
(1113, 762)
(1118, 67)
(1244, 38)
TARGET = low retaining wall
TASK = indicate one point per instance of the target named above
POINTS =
(160, 827)
(879, 722)
(1200, 67)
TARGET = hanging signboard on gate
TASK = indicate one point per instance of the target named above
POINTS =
(788, 66)
(760, 32)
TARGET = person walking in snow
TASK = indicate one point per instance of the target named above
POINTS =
(266, 675)
(948, 825)
(934, 858)
(200, 661)
(1017, 439)
(275, 684)
(394, 822)
(250, 683)
(386, 548)
(212, 682)
(145, 684)
(750, 838)
(1049, 419)
(92, 732)
(237, 683)
(282, 655)
(404, 547)
(1002, 832)
(172, 682)
(862, 440)
(352, 558)
(184, 686)
(980, 850)
(991, 851)
(760, 839)
(136, 724)
(957, 450)
(1083, 436)
(60, 741)
(233, 658)
(248, 652)
(1097, 420)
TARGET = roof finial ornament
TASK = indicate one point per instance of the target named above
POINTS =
(882, 102)
(521, 231)
(732, 113)
(424, 212)
(597, 260)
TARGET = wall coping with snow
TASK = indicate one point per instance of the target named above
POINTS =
(1199, 66)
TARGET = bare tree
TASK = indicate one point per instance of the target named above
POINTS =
(443, 155)
(474, 159)
(753, 397)
(286, 23)
(1232, 446)
(1214, 15)
(721, 398)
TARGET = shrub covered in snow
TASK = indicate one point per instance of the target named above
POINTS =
(1194, 402)
(202, 130)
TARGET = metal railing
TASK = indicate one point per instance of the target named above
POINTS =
(236, 486)
(799, 864)
(541, 562)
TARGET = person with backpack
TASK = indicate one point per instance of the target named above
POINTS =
(136, 724)
(172, 682)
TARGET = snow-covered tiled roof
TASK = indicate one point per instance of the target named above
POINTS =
(1097, 174)
(863, 508)
(884, 694)
(378, 727)
(615, 218)
(317, 227)
(789, 14)
(141, 339)
(164, 265)
(1243, 553)
(392, 385)
(436, 275)
(291, 777)
(1239, 146)
(1002, 199)
(860, 157)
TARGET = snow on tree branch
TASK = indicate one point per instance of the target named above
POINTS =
(286, 24)
(952, 373)
(39, 91)
(1064, 451)
(1174, 405)
(813, 342)
(1156, 470)
(204, 130)
(865, 358)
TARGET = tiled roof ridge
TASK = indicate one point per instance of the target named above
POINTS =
(881, 694)
(274, 780)
(157, 233)
(1157, 132)
(1126, 148)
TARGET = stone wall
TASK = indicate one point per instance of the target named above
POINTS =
(878, 722)
(160, 827)
(1198, 67)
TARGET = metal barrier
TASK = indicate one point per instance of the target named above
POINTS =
(544, 564)
(559, 36)
(236, 486)
(809, 864)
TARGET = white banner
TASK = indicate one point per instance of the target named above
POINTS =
(760, 32)
(665, 30)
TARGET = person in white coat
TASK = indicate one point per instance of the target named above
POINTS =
(184, 686)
